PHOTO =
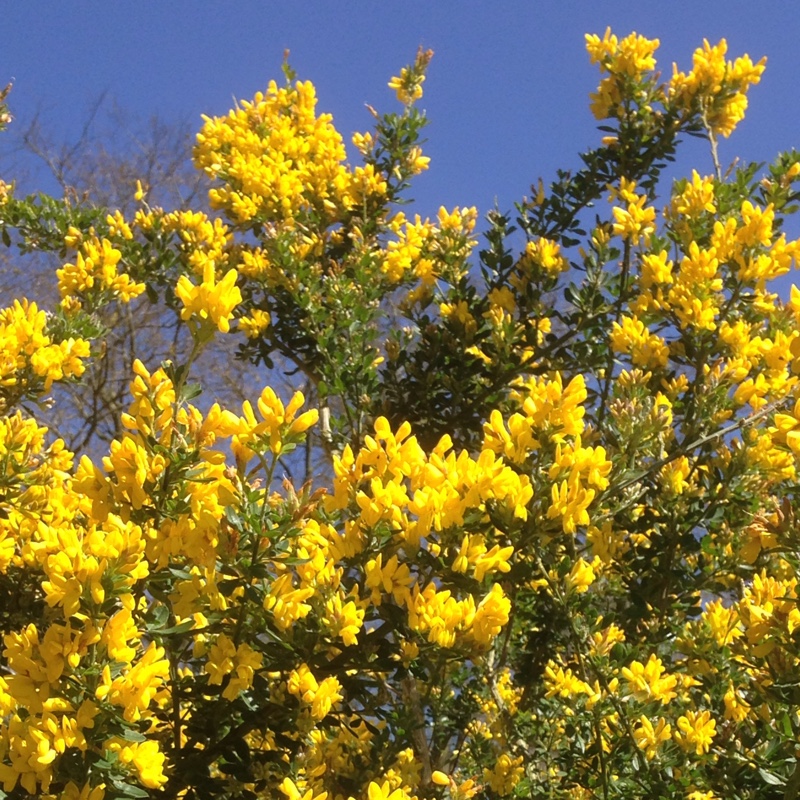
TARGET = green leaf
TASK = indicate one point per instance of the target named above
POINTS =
(159, 614)
(190, 391)
(132, 735)
(176, 630)
(128, 790)
(771, 778)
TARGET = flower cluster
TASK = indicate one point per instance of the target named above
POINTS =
(718, 86)
(278, 161)
(95, 273)
(32, 357)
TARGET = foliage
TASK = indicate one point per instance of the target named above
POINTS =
(556, 551)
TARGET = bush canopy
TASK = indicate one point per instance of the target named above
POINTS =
(524, 526)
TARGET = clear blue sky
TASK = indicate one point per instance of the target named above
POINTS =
(506, 92)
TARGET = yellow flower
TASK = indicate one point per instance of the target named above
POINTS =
(286, 603)
(563, 682)
(635, 222)
(417, 161)
(582, 575)
(546, 255)
(278, 424)
(69, 572)
(696, 731)
(153, 403)
(117, 226)
(118, 633)
(130, 464)
(607, 100)
(439, 778)
(220, 659)
(674, 475)
(210, 303)
(292, 792)
(363, 142)
(88, 792)
(29, 358)
(134, 689)
(622, 60)
(589, 463)
(254, 325)
(648, 737)
(95, 269)
(756, 225)
(601, 49)
(696, 293)
(736, 707)
(633, 56)
(505, 776)
(630, 56)
(718, 87)
(438, 614)
(320, 697)
(275, 158)
(345, 619)
(697, 197)
(723, 622)
(408, 84)
(570, 501)
(145, 757)
(491, 616)
(392, 578)
(648, 682)
(494, 560)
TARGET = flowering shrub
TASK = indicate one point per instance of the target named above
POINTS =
(555, 551)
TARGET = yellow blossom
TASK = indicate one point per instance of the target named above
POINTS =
(506, 774)
(582, 575)
(648, 681)
(210, 303)
(695, 731)
(635, 222)
(648, 737)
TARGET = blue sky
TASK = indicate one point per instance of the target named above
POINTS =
(506, 92)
